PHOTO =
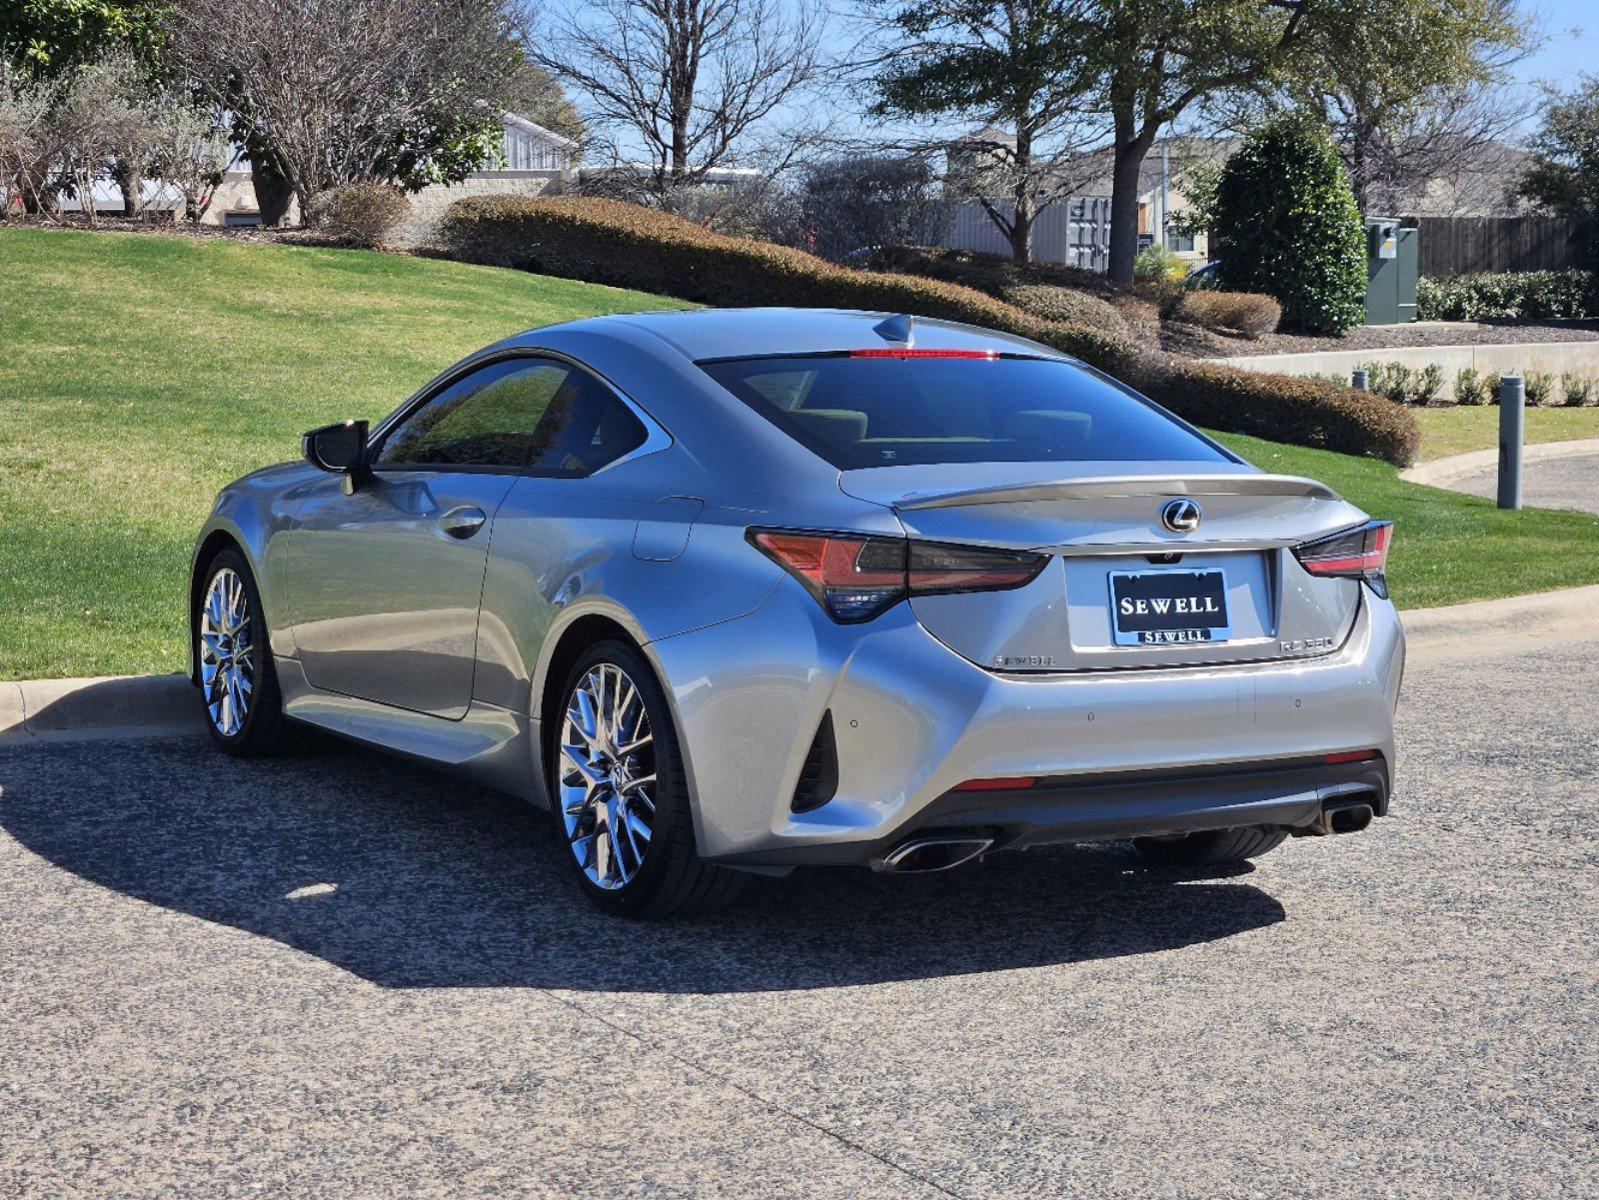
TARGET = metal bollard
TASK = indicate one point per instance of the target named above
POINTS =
(1360, 381)
(1512, 419)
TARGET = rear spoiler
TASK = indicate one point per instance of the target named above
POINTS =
(1101, 486)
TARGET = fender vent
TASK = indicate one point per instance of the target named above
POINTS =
(818, 779)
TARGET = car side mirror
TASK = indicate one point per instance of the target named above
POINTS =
(339, 449)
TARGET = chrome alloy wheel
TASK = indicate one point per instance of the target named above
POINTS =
(227, 659)
(607, 776)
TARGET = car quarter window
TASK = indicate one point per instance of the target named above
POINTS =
(538, 414)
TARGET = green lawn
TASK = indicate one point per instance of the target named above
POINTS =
(1448, 547)
(139, 373)
(1452, 429)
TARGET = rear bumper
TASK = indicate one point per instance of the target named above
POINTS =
(1126, 753)
(1288, 795)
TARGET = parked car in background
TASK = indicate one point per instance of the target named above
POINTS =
(736, 591)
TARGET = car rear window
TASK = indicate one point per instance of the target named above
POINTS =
(882, 411)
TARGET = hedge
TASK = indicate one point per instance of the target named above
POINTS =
(626, 245)
(1301, 410)
(1509, 294)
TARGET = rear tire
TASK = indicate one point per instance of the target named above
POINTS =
(233, 661)
(630, 842)
(1212, 848)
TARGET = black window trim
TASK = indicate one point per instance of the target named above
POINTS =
(656, 437)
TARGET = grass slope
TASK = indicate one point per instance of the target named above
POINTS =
(1448, 547)
(138, 374)
(1455, 429)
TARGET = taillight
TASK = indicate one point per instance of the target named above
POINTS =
(1358, 553)
(855, 577)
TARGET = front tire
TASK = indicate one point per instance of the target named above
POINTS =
(1212, 848)
(620, 796)
(238, 686)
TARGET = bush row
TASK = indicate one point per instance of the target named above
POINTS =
(1477, 387)
(1302, 410)
(625, 245)
(1509, 294)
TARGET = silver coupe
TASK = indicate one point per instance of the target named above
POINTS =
(734, 591)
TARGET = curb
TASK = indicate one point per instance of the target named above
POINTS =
(1441, 472)
(36, 711)
(118, 706)
(1539, 615)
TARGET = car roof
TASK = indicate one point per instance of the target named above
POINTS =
(710, 333)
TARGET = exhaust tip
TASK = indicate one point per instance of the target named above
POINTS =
(1349, 818)
(920, 855)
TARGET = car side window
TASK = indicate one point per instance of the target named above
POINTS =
(518, 413)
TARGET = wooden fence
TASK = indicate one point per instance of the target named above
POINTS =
(1463, 245)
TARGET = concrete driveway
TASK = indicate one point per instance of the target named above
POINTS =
(1548, 483)
(339, 975)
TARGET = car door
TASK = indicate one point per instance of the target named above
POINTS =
(385, 583)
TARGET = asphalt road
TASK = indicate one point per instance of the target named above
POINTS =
(342, 976)
(1549, 483)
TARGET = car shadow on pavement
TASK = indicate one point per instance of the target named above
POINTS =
(438, 883)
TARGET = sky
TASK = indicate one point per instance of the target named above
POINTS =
(1572, 30)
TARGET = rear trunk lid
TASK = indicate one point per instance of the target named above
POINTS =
(1122, 590)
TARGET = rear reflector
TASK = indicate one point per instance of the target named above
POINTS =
(1350, 756)
(906, 352)
(1000, 783)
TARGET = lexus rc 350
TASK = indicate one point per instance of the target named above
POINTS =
(734, 591)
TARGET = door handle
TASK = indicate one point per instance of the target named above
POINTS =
(463, 522)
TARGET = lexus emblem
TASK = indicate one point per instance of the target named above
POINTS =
(1181, 515)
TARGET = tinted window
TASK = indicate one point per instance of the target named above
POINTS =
(873, 412)
(522, 412)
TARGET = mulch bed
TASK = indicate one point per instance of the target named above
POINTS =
(1191, 340)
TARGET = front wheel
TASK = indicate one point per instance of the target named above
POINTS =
(620, 796)
(1212, 848)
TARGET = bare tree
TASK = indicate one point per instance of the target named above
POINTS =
(686, 83)
(192, 149)
(343, 91)
(27, 139)
(101, 131)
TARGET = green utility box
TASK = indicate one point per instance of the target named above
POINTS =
(1391, 262)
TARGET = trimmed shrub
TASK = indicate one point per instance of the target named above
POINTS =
(358, 214)
(1286, 225)
(609, 241)
(1509, 295)
(1287, 408)
(1248, 313)
(1578, 391)
(1540, 387)
(1069, 305)
(1429, 384)
(1472, 386)
(1000, 277)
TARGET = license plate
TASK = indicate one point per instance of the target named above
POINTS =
(1168, 608)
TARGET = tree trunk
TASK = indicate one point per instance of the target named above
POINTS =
(1020, 235)
(272, 193)
(1024, 213)
(129, 187)
(1124, 187)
